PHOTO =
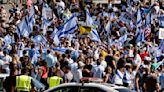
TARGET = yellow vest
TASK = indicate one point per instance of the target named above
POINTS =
(54, 81)
(23, 83)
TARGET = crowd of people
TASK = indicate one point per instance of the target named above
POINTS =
(119, 44)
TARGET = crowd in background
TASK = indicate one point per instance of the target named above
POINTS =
(117, 43)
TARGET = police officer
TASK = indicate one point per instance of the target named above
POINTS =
(54, 81)
(24, 82)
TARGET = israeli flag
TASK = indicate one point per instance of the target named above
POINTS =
(54, 32)
(139, 18)
(59, 49)
(89, 20)
(22, 28)
(7, 40)
(148, 20)
(140, 36)
(39, 39)
(93, 35)
(108, 27)
(122, 39)
(161, 45)
(68, 27)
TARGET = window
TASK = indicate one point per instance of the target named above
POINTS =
(66, 89)
(123, 90)
(90, 89)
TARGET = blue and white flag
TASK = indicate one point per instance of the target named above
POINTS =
(139, 18)
(93, 35)
(68, 27)
(89, 20)
(161, 45)
(59, 49)
(54, 32)
(122, 39)
(148, 20)
(22, 28)
(108, 27)
(8, 40)
(39, 39)
(140, 36)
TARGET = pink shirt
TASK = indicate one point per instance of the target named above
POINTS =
(44, 75)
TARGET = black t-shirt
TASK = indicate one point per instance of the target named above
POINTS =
(151, 82)
(89, 67)
(9, 82)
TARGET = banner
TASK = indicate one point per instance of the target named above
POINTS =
(161, 33)
(100, 1)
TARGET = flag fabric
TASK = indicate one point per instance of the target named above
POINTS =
(140, 36)
(108, 27)
(22, 28)
(89, 20)
(59, 49)
(31, 19)
(139, 18)
(122, 39)
(93, 35)
(84, 29)
(54, 32)
(39, 39)
(148, 20)
(7, 39)
(161, 45)
(68, 27)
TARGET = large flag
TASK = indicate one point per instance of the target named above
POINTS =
(22, 28)
(31, 19)
(139, 18)
(68, 27)
(139, 33)
(46, 15)
(93, 34)
(148, 20)
(89, 20)
(8, 40)
(108, 27)
(39, 39)
(140, 36)
(122, 39)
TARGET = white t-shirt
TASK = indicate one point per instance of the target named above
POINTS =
(104, 64)
(78, 75)
(98, 71)
(117, 79)
(137, 60)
